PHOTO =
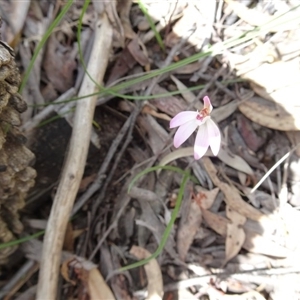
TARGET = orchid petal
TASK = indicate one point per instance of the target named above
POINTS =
(207, 103)
(182, 118)
(214, 136)
(202, 141)
(184, 132)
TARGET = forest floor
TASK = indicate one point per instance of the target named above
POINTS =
(236, 233)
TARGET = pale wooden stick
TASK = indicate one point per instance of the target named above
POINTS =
(74, 164)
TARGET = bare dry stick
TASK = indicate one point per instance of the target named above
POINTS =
(74, 164)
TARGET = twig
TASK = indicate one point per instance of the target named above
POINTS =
(283, 191)
(74, 164)
(28, 294)
(114, 224)
(33, 79)
(273, 168)
(269, 181)
(96, 185)
(19, 278)
(120, 153)
(30, 124)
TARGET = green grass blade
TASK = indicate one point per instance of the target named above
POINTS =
(167, 231)
(152, 25)
(21, 240)
(155, 168)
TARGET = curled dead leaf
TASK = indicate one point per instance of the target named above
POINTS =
(91, 278)
(64, 271)
(235, 236)
(153, 272)
(205, 198)
(188, 228)
(97, 287)
(149, 110)
(138, 50)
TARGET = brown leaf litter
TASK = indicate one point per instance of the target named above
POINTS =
(227, 242)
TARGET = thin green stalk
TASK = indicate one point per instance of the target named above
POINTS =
(58, 116)
(141, 97)
(156, 168)
(21, 240)
(213, 50)
(167, 231)
(152, 25)
(128, 97)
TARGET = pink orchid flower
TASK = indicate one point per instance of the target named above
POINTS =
(208, 132)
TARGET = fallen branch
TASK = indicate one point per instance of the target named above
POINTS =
(74, 164)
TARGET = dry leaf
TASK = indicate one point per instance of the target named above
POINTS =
(235, 217)
(294, 137)
(157, 136)
(110, 8)
(97, 287)
(149, 110)
(234, 161)
(92, 280)
(123, 8)
(268, 114)
(78, 232)
(223, 112)
(205, 198)
(250, 136)
(232, 196)
(170, 105)
(14, 15)
(215, 222)
(59, 64)
(86, 181)
(282, 111)
(224, 155)
(138, 50)
(254, 242)
(242, 178)
(89, 276)
(187, 95)
(64, 271)
(153, 272)
(188, 228)
(190, 68)
(124, 63)
(69, 238)
(235, 235)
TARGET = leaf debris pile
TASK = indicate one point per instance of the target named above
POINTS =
(228, 241)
